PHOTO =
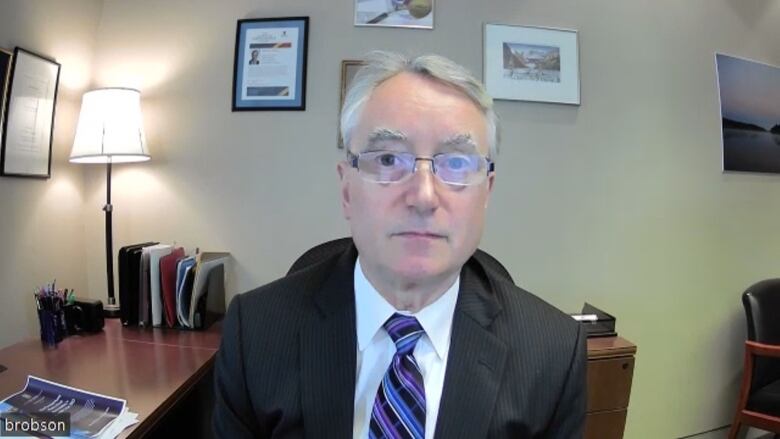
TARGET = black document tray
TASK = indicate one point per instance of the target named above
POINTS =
(603, 326)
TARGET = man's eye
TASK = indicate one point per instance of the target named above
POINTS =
(457, 163)
(387, 159)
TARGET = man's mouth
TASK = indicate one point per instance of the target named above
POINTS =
(422, 234)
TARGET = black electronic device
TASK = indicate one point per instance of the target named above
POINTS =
(84, 315)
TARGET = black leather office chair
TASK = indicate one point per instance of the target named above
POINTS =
(330, 248)
(759, 398)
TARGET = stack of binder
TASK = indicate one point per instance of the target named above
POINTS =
(160, 285)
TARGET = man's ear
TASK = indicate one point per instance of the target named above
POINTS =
(343, 170)
(491, 180)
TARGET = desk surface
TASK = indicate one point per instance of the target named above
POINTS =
(150, 368)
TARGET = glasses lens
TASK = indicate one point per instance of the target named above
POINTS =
(460, 169)
(385, 166)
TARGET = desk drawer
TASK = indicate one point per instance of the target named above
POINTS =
(609, 383)
(605, 425)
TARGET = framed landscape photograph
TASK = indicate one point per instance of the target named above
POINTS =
(528, 63)
(28, 126)
(394, 13)
(349, 67)
(269, 70)
(750, 114)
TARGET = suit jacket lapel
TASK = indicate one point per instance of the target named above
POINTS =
(476, 360)
(328, 355)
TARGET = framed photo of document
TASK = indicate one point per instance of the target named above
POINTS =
(349, 67)
(269, 71)
(527, 63)
(28, 126)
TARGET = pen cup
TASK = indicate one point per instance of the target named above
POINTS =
(52, 323)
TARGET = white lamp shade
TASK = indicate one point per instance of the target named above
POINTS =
(110, 128)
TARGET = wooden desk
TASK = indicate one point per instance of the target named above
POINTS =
(158, 370)
(153, 369)
(610, 371)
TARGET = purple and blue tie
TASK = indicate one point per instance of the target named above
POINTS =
(399, 407)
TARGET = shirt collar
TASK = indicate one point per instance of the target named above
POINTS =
(372, 311)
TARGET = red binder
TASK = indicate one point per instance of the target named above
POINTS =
(168, 284)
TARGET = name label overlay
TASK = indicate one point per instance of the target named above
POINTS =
(35, 424)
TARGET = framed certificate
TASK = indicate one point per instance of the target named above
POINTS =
(269, 71)
(28, 126)
(5, 68)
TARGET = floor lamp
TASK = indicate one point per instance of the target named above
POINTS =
(110, 130)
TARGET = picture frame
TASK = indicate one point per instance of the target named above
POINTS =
(269, 68)
(749, 98)
(349, 67)
(28, 126)
(414, 14)
(5, 74)
(530, 63)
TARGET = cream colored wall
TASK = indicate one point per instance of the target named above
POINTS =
(41, 221)
(619, 201)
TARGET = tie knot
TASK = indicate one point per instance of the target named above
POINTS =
(405, 331)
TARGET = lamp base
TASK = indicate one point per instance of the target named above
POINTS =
(111, 311)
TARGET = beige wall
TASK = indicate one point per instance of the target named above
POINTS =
(41, 221)
(620, 201)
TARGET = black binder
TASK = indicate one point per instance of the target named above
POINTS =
(129, 274)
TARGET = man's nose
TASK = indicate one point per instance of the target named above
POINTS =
(422, 194)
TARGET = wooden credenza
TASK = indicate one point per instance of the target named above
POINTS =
(610, 371)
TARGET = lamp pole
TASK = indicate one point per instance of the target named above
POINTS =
(111, 309)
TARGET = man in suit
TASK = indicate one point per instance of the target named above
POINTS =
(407, 333)
(255, 60)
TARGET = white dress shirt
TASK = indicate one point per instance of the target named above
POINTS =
(375, 349)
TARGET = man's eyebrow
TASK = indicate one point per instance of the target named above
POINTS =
(463, 142)
(384, 135)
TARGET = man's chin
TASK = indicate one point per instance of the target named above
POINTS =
(420, 270)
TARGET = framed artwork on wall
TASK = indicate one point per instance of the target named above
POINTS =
(749, 94)
(394, 13)
(269, 70)
(527, 63)
(28, 126)
(349, 67)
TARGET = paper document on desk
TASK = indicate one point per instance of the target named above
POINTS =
(91, 415)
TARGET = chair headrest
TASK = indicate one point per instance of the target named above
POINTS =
(762, 308)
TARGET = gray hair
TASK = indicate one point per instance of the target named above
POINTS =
(381, 66)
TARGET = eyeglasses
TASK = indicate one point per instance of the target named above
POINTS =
(454, 168)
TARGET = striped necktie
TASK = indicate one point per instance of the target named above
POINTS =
(399, 407)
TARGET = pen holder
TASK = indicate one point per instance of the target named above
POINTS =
(52, 322)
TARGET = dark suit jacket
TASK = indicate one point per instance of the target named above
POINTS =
(287, 364)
